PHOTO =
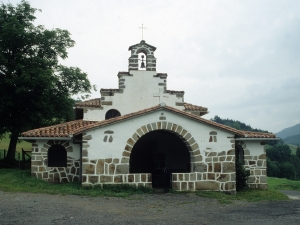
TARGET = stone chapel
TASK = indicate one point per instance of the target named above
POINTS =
(130, 135)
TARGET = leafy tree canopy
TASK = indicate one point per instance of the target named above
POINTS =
(35, 89)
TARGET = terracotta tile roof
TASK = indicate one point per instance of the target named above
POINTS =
(89, 103)
(175, 92)
(59, 130)
(250, 134)
(79, 126)
(190, 107)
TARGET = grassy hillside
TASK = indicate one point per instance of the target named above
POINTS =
(23, 144)
(290, 131)
(294, 140)
(293, 148)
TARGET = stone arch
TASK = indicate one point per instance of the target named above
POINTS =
(64, 143)
(183, 134)
(143, 50)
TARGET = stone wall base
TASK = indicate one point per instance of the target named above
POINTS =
(139, 179)
(203, 181)
(258, 186)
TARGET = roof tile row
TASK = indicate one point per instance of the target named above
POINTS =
(190, 107)
(90, 103)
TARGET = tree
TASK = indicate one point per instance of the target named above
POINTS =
(298, 151)
(286, 170)
(35, 89)
(279, 153)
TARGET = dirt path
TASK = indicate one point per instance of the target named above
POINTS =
(25, 208)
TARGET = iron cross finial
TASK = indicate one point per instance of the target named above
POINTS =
(142, 31)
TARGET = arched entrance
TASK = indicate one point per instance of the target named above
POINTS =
(155, 151)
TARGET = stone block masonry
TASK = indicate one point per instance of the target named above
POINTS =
(257, 165)
(215, 173)
(40, 169)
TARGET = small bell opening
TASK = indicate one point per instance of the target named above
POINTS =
(143, 61)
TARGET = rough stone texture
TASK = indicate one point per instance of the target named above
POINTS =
(106, 179)
(200, 167)
(228, 167)
(207, 185)
(88, 168)
(122, 169)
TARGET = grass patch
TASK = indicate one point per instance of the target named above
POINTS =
(12, 180)
(283, 184)
(249, 195)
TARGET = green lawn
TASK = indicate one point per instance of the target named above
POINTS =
(283, 184)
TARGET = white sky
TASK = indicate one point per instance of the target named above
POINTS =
(241, 59)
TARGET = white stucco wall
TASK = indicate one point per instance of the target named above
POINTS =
(255, 147)
(125, 129)
(141, 91)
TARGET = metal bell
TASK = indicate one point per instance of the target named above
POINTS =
(143, 64)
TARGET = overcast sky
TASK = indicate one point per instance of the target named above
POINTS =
(241, 59)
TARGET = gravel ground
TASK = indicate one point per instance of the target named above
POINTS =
(27, 208)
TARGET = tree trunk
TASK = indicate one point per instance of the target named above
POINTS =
(10, 157)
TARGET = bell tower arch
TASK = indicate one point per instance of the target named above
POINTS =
(137, 62)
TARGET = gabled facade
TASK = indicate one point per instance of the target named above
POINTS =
(134, 133)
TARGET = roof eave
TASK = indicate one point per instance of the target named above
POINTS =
(257, 139)
(46, 138)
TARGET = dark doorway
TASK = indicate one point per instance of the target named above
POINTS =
(157, 150)
(57, 156)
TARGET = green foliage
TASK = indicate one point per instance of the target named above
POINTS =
(241, 176)
(35, 89)
(241, 173)
(279, 153)
(298, 152)
(281, 163)
(235, 124)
